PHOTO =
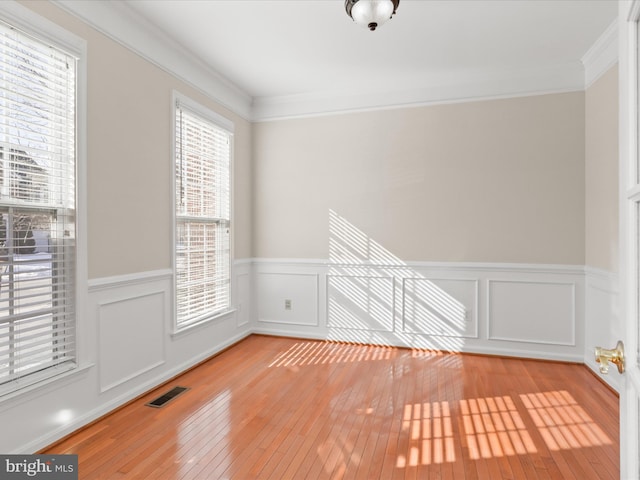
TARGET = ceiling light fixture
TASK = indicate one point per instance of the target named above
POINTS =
(371, 13)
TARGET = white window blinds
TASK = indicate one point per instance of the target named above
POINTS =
(37, 209)
(202, 184)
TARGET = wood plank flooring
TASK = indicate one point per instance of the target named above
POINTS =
(276, 408)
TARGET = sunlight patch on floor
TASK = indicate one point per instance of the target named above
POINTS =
(562, 422)
(494, 428)
(317, 353)
(430, 432)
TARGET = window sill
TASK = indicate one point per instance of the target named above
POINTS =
(64, 377)
(202, 323)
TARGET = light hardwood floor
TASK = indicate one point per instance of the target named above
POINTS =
(276, 408)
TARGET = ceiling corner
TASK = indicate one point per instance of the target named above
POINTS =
(602, 55)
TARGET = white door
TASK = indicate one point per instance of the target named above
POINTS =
(630, 235)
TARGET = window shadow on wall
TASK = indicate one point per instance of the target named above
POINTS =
(375, 297)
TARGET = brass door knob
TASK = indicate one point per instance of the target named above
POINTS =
(605, 357)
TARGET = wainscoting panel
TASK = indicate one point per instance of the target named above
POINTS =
(360, 302)
(287, 298)
(441, 307)
(532, 312)
(130, 337)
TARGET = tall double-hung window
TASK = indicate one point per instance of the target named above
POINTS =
(203, 146)
(37, 209)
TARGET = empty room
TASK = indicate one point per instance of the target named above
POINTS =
(341, 239)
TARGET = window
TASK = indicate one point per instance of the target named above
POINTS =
(203, 143)
(37, 209)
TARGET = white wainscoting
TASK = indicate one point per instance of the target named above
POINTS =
(534, 311)
(359, 302)
(130, 337)
(241, 292)
(440, 307)
(129, 347)
(603, 325)
(132, 319)
(287, 298)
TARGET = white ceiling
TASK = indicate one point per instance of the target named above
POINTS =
(287, 51)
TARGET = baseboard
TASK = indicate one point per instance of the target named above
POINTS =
(112, 406)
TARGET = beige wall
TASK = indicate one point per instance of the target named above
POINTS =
(489, 181)
(129, 157)
(601, 172)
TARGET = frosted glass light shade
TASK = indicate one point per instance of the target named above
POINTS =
(371, 13)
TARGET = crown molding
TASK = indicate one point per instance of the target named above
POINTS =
(602, 55)
(125, 26)
(448, 88)
(23, 18)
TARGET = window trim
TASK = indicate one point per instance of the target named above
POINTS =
(46, 31)
(227, 125)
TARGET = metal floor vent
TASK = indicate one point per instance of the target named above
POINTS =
(162, 400)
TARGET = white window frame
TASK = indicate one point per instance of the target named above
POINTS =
(226, 124)
(46, 31)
